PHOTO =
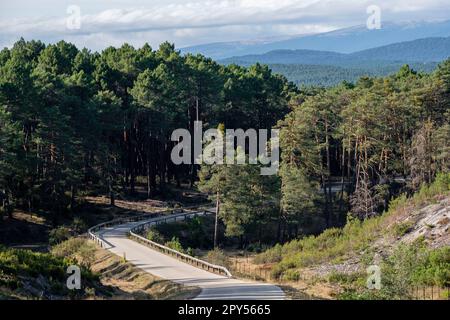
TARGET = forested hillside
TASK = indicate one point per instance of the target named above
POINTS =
(327, 68)
(75, 122)
(410, 243)
(418, 51)
(328, 76)
(421, 50)
(347, 149)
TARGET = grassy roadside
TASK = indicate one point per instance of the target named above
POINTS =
(130, 282)
(30, 275)
(332, 265)
(409, 242)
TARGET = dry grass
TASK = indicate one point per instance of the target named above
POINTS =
(141, 206)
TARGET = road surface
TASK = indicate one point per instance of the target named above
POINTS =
(212, 286)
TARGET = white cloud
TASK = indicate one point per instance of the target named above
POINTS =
(200, 21)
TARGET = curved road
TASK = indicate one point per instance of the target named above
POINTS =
(213, 286)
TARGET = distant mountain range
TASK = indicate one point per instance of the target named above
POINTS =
(418, 51)
(346, 40)
(312, 67)
(347, 54)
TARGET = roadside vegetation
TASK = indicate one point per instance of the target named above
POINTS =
(29, 275)
(75, 123)
(336, 244)
(407, 267)
(403, 265)
(78, 126)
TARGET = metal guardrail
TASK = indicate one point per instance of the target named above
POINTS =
(114, 222)
(169, 251)
(143, 216)
(156, 218)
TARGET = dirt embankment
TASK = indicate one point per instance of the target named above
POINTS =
(126, 281)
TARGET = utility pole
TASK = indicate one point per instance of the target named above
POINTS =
(216, 221)
(196, 107)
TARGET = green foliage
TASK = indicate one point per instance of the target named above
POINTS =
(334, 244)
(291, 275)
(435, 269)
(402, 228)
(18, 262)
(218, 257)
(398, 202)
(77, 249)
(68, 248)
(59, 235)
(175, 244)
(20, 267)
(346, 279)
(247, 200)
(154, 235)
(73, 120)
(328, 73)
(79, 225)
(407, 267)
(299, 196)
(196, 232)
(269, 256)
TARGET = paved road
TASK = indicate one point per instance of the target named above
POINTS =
(213, 286)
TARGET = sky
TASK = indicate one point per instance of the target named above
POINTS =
(104, 23)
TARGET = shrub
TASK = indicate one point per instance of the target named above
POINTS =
(441, 185)
(190, 252)
(195, 232)
(217, 256)
(59, 235)
(86, 254)
(68, 248)
(402, 228)
(397, 203)
(41, 271)
(77, 249)
(334, 244)
(435, 269)
(271, 255)
(78, 225)
(154, 235)
(291, 275)
(175, 245)
(277, 271)
(408, 266)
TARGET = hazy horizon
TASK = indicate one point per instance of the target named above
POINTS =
(111, 23)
